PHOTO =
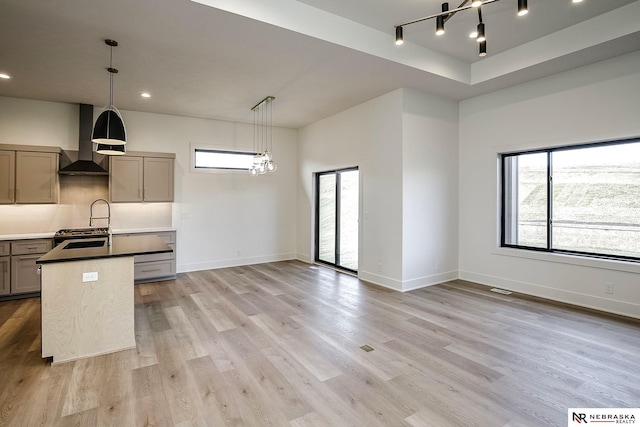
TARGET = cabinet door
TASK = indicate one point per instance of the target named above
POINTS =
(125, 179)
(24, 274)
(36, 177)
(158, 179)
(7, 176)
(4, 276)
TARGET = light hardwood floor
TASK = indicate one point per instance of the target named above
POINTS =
(279, 344)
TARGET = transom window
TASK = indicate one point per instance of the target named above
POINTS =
(581, 200)
(222, 159)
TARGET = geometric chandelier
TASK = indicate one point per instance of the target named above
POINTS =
(479, 33)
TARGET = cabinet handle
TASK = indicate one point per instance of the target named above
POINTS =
(149, 271)
(32, 247)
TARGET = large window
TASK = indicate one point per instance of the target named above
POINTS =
(581, 200)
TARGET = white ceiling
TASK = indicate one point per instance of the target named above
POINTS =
(218, 58)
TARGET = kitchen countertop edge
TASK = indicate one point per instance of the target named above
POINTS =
(122, 246)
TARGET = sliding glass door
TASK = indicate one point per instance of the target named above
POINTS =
(337, 202)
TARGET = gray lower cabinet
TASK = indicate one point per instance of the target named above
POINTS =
(5, 284)
(24, 274)
(156, 267)
(19, 272)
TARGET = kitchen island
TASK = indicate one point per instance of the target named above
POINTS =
(87, 295)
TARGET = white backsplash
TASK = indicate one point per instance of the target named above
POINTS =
(76, 195)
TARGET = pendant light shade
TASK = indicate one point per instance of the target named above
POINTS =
(111, 150)
(109, 128)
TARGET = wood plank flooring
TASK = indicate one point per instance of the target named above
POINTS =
(279, 344)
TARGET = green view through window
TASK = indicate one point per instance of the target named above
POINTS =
(581, 200)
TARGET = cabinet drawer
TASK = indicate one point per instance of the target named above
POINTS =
(5, 248)
(34, 246)
(149, 270)
(157, 257)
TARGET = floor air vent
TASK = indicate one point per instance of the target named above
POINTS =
(500, 291)
(367, 348)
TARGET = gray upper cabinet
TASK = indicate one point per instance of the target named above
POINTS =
(141, 178)
(29, 177)
(36, 177)
(158, 179)
(7, 177)
(126, 178)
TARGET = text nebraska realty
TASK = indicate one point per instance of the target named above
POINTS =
(605, 418)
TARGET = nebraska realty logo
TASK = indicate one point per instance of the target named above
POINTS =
(602, 416)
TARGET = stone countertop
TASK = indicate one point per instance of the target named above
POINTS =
(122, 246)
(25, 236)
(50, 234)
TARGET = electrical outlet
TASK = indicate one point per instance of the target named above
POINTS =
(90, 277)
(608, 288)
(379, 267)
(438, 266)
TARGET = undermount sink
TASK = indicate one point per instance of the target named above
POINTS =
(85, 244)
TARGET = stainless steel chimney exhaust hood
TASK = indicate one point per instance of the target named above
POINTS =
(85, 165)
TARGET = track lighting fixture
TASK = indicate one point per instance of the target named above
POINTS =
(399, 36)
(522, 7)
(446, 14)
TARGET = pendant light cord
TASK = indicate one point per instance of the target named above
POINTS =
(110, 76)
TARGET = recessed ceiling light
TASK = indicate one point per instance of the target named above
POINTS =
(577, 1)
(473, 34)
(4, 76)
(145, 95)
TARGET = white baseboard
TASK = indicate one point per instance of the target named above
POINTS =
(236, 262)
(423, 282)
(568, 297)
(377, 279)
(304, 258)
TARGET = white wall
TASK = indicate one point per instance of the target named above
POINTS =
(227, 218)
(368, 136)
(593, 103)
(430, 190)
(222, 219)
(406, 145)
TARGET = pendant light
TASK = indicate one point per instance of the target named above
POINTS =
(109, 131)
(263, 138)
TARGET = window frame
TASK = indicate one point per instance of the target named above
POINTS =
(504, 170)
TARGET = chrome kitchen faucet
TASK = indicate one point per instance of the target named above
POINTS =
(108, 218)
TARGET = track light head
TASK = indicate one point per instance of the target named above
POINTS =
(522, 7)
(476, 3)
(440, 25)
(399, 36)
(483, 49)
(481, 36)
(441, 18)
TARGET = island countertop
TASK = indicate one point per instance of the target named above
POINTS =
(122, 246)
